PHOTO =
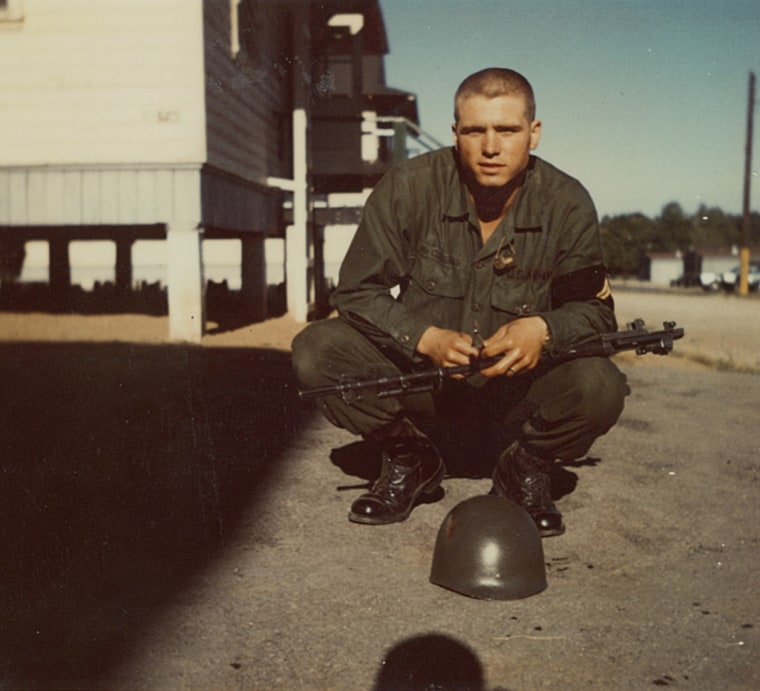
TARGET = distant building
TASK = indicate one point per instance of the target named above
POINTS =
(661, 268)
(690, 268)
(191, 122)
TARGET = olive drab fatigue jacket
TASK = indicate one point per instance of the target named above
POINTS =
(419, 233)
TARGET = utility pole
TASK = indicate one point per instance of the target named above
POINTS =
(744, 268)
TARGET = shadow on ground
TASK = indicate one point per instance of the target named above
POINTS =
(224, 307)
(430, 661)
(125, 469)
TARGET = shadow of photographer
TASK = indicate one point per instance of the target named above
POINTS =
(431, 661)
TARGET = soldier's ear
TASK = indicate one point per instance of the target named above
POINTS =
(535, 134)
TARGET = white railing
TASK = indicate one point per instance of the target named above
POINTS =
(402, 126)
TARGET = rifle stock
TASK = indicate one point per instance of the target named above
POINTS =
(636, 337)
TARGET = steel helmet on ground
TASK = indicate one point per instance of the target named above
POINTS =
(489, 548)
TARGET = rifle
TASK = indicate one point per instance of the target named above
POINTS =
(635, 337)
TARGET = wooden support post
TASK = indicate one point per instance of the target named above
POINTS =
(59, 271)
(296, 240)
(253, 278)
(399, 142)
(186, 284)
(123, 266)
(743, 278)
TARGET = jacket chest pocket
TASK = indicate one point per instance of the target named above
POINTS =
(438, 273)
(520, 296)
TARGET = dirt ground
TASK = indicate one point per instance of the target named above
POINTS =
(174, 518)
(722, 331)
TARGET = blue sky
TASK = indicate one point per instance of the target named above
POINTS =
(645, 101)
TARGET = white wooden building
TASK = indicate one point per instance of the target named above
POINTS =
(176, 120)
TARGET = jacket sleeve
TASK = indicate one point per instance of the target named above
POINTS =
(378, 260)
(581, 300)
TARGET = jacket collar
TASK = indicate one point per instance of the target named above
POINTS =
(527, 208)
(526, 211)
(457, 206)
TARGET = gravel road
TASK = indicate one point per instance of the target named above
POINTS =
(721, 331)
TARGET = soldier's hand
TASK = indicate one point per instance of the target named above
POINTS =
(520, 342)
(447, 348)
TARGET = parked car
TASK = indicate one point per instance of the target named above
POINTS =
(710, 280)
(730, 279)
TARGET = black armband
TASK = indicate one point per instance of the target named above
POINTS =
(585, 284)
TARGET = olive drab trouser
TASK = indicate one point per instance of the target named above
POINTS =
(555, 411)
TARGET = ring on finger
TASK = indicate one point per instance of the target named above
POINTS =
(512, 370)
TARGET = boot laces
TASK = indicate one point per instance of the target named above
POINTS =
(536, 487)
(532, 483)
(392, 474)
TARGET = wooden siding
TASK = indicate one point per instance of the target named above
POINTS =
(232, 205)
(97, 196)
(103, 81)
(248, 96)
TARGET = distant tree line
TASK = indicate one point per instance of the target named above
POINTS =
(627, 237)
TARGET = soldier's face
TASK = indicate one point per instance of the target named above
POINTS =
(494, 138)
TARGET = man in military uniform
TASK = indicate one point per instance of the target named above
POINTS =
(477, 251)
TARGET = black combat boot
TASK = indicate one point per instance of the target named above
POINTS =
(411, 466)
(526, 480)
